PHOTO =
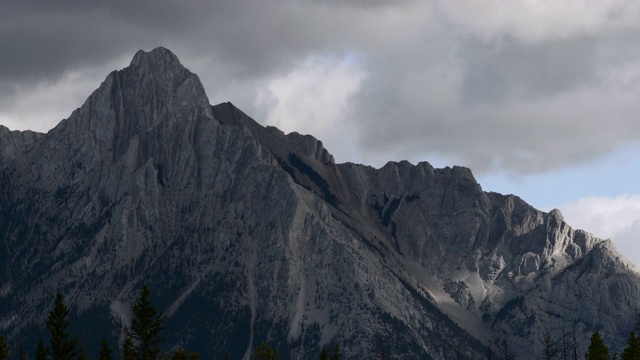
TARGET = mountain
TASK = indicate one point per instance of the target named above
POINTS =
(246, 234)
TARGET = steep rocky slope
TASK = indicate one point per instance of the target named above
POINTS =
(247, 234)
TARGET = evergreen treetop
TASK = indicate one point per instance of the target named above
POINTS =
(105, 351)
(597, 348)
(324, 354)
(63, 347)
(41, 353)
(336, 353)
(146, 326)
(632, 351)
(265, 352)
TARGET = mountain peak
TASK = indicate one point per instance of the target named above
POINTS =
(157, 56)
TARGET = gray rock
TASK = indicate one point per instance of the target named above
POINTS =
(247, 234)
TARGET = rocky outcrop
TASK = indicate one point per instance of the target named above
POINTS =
(15, 143)
(247, 234)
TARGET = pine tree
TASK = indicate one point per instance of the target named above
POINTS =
(184, 354)
(632, 351)
(105, 352)
(62, 346)
(265, 352)
(324, 354)
(41, 353)
(128, 349)
(146, 326)
(597, 348)
(336, 353)
(4, 348)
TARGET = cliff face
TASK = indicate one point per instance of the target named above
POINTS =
(247, 234)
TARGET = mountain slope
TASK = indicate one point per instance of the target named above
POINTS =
(247, 234)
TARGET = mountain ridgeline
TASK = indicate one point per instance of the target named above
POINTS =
(246, 234)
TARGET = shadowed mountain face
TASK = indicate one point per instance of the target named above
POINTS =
(246, 234)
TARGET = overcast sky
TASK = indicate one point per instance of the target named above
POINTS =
(540, 98)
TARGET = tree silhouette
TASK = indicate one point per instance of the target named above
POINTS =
(41, 353)
(146, 326)
(632, 351)
(63, 347)
(128, 349)
(336, 353)
(597, 348)
(265, 352)
(324, 354)
(105, 351)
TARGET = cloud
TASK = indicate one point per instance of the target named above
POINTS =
(532, 21)
(617, 218)
(312, 97)
(48, 100)
(521, 87)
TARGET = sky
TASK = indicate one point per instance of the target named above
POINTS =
(538, 97)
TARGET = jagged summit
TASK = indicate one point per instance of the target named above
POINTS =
(159, 55)
(246, 234)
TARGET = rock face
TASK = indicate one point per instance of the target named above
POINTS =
(246, 234)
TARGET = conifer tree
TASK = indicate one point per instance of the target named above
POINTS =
(146, 326)
(336, 353)
(4, 348)
(105, 351)
(184, 354)
(324, 354)
(597, 348)
(41, 353)
(63, 347)
(632, 351)
(128, 349)
(265, 352)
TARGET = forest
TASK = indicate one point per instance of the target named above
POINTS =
(143, 341)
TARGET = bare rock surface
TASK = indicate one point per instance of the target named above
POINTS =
(246, 234)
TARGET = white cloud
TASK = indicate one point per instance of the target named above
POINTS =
(617, 218)
(312, 97)
(42, 107)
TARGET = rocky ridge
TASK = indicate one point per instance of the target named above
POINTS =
(247, 234)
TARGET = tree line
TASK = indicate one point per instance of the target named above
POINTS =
(567, 348)
(141, 341)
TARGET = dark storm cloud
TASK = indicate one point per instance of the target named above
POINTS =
(42, 40)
